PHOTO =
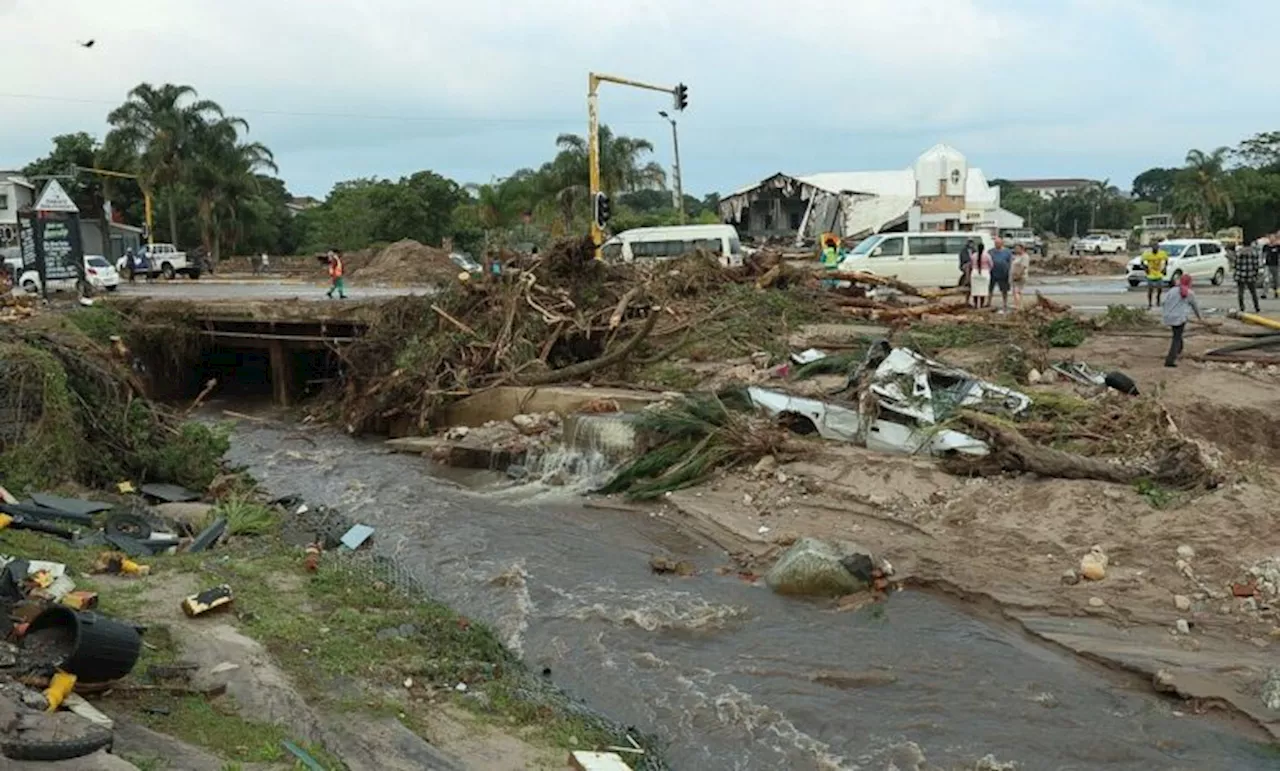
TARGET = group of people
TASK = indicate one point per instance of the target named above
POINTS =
(983, 272)
(1249, 259)
(137, 262)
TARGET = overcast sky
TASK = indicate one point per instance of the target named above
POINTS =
(476, 88)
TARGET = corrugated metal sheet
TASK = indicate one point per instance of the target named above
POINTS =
(866, 215)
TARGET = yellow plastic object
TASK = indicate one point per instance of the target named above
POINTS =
(125, 487)
(59, 687)
(130, 568)
(1261, 321)
(5, 519)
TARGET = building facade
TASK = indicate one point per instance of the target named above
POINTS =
(939, 191)
(16, 193)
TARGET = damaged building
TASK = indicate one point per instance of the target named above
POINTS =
(939, 191)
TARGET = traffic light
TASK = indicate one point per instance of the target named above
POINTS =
(682, 96)
(600, 210)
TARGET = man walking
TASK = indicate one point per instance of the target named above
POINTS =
(1001, 271)
(1271, 253)
(335, 275)
(1154, 261)
(1248, 269)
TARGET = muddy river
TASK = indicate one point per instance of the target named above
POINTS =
(732, 676)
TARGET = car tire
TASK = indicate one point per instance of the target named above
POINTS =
(1219, 277)
(30, 287)
(194, 275)
(167, 271)
(1133, 283)
(1097, 251)
(113, 287)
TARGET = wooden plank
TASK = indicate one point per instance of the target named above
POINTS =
(597, 761)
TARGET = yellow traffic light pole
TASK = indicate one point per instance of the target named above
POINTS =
(146, 195)
(594, 79)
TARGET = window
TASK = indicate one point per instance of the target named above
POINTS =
(928, 245)
(713, 245)
(1207, 249)
(867, 244)
(735, 246)
(794, 219)
(891, 247)
(952, 244)
(1191, 251)
(611, 250)
(4, 202)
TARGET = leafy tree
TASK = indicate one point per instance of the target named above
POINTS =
(1200, 189)
(223, 174)
(158, 122)
(1155, 184)
(1260, 150)
(621, 167)
(69, 152)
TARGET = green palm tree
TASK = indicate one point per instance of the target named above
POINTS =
(1203, 187)
(157, 122)
(223, 174)
(621, 170)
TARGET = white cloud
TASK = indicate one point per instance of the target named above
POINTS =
(804, 85)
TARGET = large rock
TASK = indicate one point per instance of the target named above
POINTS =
(812, 568)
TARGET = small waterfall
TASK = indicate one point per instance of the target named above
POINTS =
(592, 450)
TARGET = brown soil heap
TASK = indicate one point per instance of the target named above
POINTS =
(408, 261)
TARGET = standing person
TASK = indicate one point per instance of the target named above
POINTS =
(1001, 272)
(979, 277)
(1271, 253)
(1248, 269)
(130, 266)
(1154, 261)
(966, 257)
(335, 275)
(1021, 267)
(1176, 310)
(265, 264)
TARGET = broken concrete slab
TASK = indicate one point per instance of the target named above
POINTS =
(505, 402)
(169, 493)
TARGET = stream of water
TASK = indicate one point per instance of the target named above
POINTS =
(732, 676)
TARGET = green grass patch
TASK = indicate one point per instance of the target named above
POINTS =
(1158, 496)
(929, 339)
(1065, 332)
(99, 322)
(245, 516)
(212, 724)
(669, 376)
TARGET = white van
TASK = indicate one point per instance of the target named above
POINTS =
(924, 260)
(668, 243)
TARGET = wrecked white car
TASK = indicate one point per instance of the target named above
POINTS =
(913, 396)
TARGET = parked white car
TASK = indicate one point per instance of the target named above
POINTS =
(925, 260)
(1099, 243)
(164, 260)
(1201, 258)
(668, 243)
(97, 271)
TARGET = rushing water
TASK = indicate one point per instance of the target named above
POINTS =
(731, 675)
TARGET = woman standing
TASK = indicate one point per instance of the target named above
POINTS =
(1021, 265)
(1175, 311)
(979, 277)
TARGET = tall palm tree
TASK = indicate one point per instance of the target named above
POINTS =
(621, 170)
(158, 123)
(223, 174)
(1204, 186)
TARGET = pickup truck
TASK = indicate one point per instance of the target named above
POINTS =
(1099, 243)
(164, 260)
(1024, 236)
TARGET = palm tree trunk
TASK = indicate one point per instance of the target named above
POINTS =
(173, 219)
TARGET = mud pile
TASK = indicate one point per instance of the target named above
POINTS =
(409, 262)
(1061, 265)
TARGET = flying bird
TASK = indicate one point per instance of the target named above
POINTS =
(87, 43)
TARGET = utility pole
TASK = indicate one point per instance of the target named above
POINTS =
(678, 193)
(594, 79)
(146, 194)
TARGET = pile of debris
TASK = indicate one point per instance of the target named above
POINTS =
(408, 262)
(1061, 265)
(555, 317)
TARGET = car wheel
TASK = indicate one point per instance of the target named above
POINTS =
(30, 286)
(1097, 251)
(1133, 283)
(168, 272)
(1219, 277)
(113, 287)
(194, 275)
(1173, 280)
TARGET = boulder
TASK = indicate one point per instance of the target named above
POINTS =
(192, 515)
(813, 568)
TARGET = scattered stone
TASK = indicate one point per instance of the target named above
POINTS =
(747, 499)
(397, 632)
(1271, 690)
(1045, 699)
(1034, 377)
(1070, 577)
(765, 465)
(812, 568)
(907, 757)
(457, 433)
(1162, 682)
(1182, 602)
(1097, 602)
(1249, 605)
(1182, 626)
(1186, 552)
(1113, 494)
(860, 565)
(1093, 565)
(781, 477)
(667, 566)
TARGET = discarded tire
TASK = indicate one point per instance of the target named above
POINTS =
(99, 649)
(1122, 383)
(128, 524)
(35, 747)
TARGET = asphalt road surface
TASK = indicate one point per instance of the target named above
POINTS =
(1088, 295)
